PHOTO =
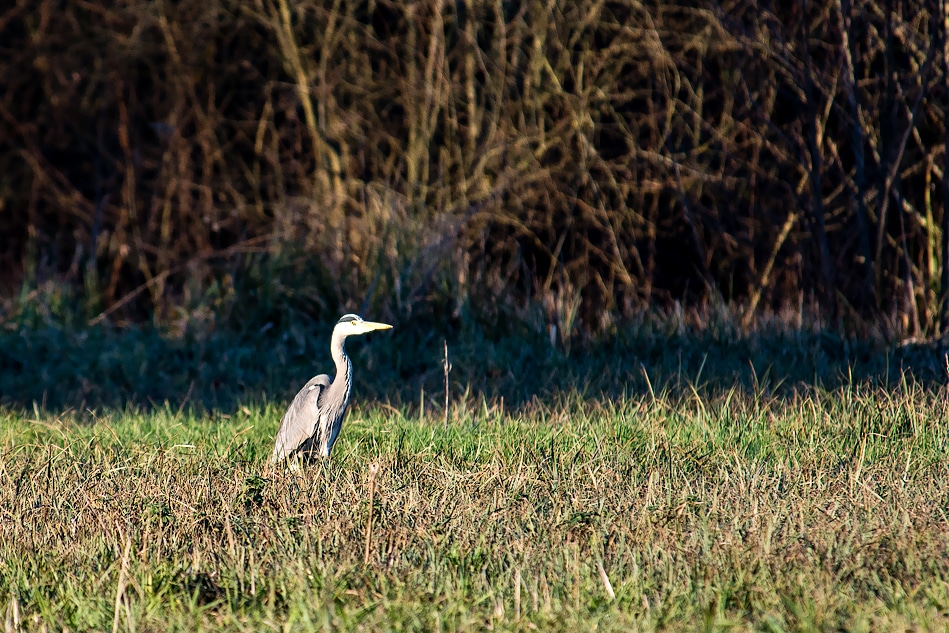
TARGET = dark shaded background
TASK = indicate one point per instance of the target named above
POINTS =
(546, 174)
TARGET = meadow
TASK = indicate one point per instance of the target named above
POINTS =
(667, 483)
(689, 263)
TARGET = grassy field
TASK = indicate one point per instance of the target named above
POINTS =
(812, 510)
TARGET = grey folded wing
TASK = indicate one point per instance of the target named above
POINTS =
(301, 421)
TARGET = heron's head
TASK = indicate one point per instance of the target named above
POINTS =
(350, 324)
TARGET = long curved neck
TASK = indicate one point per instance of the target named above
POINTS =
(344, 368)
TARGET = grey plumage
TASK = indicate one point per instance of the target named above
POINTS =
(313, 420)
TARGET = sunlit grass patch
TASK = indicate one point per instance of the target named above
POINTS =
(820, 511)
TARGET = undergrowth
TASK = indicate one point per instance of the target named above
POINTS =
(592, 158)
(215, 358)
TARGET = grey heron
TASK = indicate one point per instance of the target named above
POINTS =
(312, 422)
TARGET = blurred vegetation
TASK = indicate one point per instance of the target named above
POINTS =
(563, 166)
(53, 362)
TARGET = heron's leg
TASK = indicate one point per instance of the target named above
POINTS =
(295, 463)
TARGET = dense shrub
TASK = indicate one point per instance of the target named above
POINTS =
(560, 162)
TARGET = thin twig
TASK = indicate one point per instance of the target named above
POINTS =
(373, 469)
(765, 278)
(607, 585)
(447, 367)
(120, 590)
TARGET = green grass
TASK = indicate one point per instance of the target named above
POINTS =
(816, 510)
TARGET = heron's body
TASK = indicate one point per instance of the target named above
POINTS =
(313, 420)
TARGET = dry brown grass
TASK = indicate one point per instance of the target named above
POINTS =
(825, 512)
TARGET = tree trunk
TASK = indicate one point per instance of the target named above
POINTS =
(944, 246)
(869, 299)
(812, 127)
